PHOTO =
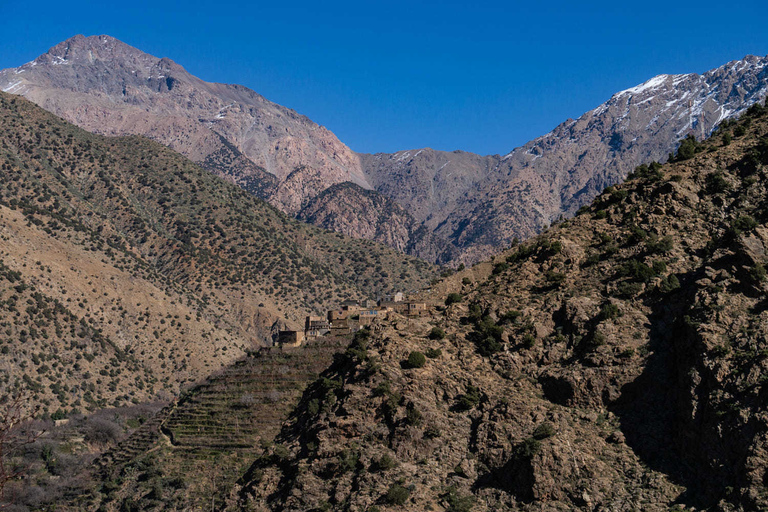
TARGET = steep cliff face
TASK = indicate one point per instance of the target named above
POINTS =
(108, 87)
(618, 361)
(481, 204)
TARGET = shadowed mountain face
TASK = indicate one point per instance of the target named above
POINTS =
(478, 204)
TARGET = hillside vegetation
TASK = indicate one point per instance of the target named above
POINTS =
(616, 362)
(126, 270)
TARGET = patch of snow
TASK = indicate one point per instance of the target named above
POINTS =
(443, 166)
(653, 83)
(12, 86)
(402, 156)
(418, 153)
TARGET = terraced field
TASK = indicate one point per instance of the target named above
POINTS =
(216, 428)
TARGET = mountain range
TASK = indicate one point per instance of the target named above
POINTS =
(452, 206)
(617, 361)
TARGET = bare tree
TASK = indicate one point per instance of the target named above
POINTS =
(14, 435)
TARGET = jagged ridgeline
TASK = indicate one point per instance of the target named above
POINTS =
(125, 269)
(617, 362)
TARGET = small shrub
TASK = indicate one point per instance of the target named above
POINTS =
(628, 289)
(466, 280)
(529, 340)
(744, 224)
(500, 267)
(660, 245)
(432, 432)
(528, 448)
(384, 463)
(469, 400)
(554, 277)
(669, 284)
(659, 267)
(453, 298)
(609, 312)
(601, 214)
(544, 431)
(436, 333)
(757, 273)
(412, 415)
(687, 148)
(416, 359)
(433, 353)
(716, 183)
(397, 495)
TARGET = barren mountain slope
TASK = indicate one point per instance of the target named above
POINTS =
(162, 264)
(482, 203)
(616, 362)
(109, 87)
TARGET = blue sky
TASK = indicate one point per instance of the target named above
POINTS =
(384, 76)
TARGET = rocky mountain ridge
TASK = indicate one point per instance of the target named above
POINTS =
(479, 204)
(109, 87)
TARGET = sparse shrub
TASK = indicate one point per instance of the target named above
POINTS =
(466, 280)
(659, 267)
(436, 333)
(739, 131)
(433, 353)
(727, 138)
(757, 273)
(383, 463)
(716, 183)
(601, 214)
(529, 340)
(744, 223)
(609, 312)
(416, 360)
(669, 284)
(500, 267)
(412, 415)
(468, 400)
(397, 495)
(554, 277)
(544, 431)
(528, 448)
(432, 432)
(453, 298)
(660, 245)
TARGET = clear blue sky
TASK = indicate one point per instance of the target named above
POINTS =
(394, 75)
